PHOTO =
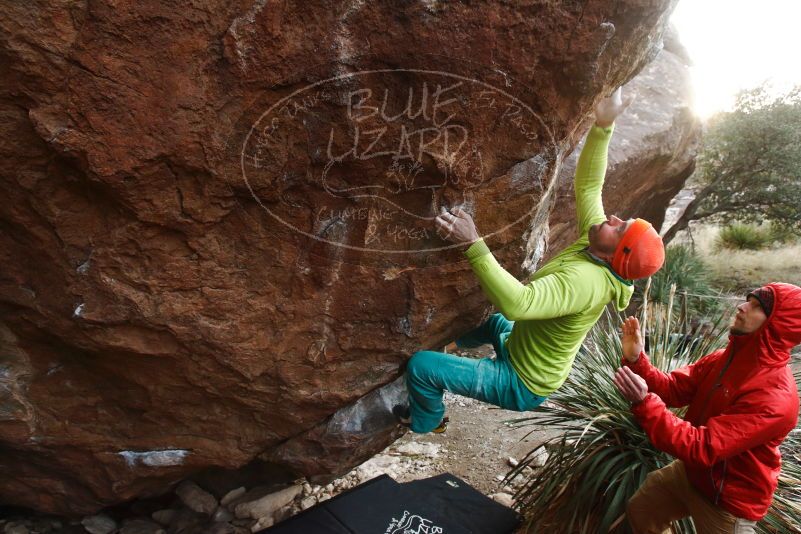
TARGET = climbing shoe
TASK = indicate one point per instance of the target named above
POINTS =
(402, 414)
(443, 426)
(404, 418)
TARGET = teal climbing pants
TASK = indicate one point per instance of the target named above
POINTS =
(489, 380)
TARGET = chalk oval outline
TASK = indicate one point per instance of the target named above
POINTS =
(381, 71)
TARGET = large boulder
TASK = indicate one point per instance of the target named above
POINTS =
(652, 152)
(216, 218)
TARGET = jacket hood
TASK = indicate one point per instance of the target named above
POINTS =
(782, 330)
(624, 289)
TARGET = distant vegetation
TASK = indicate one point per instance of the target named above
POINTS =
(739, 236)
(749, 169)
(740, 257)
(689, 273)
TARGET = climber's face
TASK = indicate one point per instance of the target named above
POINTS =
(605, 236)
(749, 317)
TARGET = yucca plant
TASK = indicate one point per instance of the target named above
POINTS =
(685, 269)
(739, 236)
(603, 456)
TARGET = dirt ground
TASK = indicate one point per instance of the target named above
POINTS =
(476, 447)
(479, 441)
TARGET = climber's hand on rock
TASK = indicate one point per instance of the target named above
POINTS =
(611, 108)
(456, 226)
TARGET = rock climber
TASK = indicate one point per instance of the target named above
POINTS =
(540, 325)
(743, 402)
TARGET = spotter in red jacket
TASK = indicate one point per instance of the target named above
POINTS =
(743, 401)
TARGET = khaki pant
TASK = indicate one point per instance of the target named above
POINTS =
(666, 496)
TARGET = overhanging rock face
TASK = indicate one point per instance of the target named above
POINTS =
(216, 217)
(652, 151)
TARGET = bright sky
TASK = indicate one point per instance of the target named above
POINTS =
(738, 44)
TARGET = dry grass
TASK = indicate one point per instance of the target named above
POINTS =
(740, 270)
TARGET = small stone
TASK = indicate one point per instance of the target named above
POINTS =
(42, 525)
(499, 478)
(71, 529)
(220, 528)
(141, 526)
(539, 458)
(267, 505)
(261, 524)
(15, 528)
(231, 495)
(503, 498)
(98, 524)
(163, 517)
(513, 462)
(195, 498)
(285, 513)
(186, 520)
(307, 502)
(141, 509)
(222, 515)
(307, 489)
(430, 450)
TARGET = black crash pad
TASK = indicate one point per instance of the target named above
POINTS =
(442, 504)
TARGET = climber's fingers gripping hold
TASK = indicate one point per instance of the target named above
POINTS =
(611, 107)
(456, 226)
(444, 227)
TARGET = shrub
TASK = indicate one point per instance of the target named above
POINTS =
(740, 236)
(782, 234)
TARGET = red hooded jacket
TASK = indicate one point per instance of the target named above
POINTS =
(743, 403)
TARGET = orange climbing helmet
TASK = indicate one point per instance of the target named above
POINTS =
(640, 252)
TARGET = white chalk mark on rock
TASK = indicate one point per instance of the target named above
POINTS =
(84, 267)
(160, 458)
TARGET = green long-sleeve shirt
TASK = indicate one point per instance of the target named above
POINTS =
(566, 297)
